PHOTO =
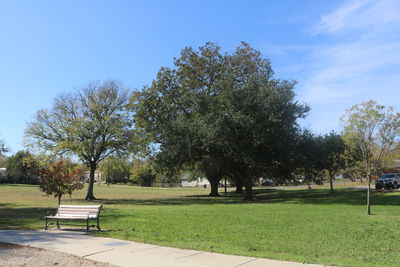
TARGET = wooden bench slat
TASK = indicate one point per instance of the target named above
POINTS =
(95, 210)
(77, 211)
(72, 210)
(81, 207)
(66, 217)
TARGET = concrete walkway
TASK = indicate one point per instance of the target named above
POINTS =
(126, 253)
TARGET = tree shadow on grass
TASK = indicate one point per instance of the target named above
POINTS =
(346, 196)
(22, 218)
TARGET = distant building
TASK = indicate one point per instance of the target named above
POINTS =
(97, 177)
(187, 182)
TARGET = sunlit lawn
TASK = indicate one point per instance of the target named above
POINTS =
(299, 225)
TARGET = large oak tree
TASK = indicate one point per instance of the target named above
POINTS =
(224, 113)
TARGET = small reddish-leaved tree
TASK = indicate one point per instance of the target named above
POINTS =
(60, 178)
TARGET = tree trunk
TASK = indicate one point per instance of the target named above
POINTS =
(249, 189)
(214, 186)
(331, 180)
(368, 195)
(307, 178)
(90, 195)
(226, 189)
(239, 186)
(59, 200)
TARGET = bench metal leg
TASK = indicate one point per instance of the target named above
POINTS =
(87, 225)
(98, 223)
(45, 227)
(58, 225)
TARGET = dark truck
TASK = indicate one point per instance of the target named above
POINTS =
(388, 181)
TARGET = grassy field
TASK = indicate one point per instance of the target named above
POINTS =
(302, 225)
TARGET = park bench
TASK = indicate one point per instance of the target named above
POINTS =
(76, 212)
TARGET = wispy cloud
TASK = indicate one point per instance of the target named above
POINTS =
(358, 14)
(357, 60)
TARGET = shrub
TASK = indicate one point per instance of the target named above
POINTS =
(60, 178)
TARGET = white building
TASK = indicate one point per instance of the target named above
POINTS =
(187, 182)
(97, 177)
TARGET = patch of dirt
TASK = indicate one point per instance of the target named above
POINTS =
(15, 255)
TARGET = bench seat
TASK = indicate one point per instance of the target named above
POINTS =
(76, 212)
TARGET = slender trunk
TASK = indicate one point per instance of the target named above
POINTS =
(59, 200)
(226, 190)
(214, 186)
(90, 195)
(239, 186)
(331, 180)
(248, 184)
(307, 178)
(368, 195)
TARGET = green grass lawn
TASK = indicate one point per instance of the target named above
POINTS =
(302, 225)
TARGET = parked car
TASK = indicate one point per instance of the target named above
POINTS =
(388, 181)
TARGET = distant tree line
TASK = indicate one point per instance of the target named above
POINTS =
(19, 169)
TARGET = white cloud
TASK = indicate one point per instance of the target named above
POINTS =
(360, 60)
(358, 14)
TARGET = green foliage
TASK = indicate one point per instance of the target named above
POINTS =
(143, 174)
(91, 123)
(224, 114)
(20, 168)
(60, 178)
(115, 169)
(370, 130)
(307, 159)
(332, 160)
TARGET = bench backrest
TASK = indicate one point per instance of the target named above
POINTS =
(92, 211)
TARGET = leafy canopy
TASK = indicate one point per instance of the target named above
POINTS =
(91, 123)
(217, 111)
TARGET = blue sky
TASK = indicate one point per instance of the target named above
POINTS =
(340, 52)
